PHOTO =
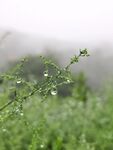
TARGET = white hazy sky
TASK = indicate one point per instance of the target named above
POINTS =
(83, 20)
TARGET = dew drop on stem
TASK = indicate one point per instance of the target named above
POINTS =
(19, 81)
(46, 73)
(68, 81)
(54, 91)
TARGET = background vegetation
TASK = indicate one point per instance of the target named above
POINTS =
(73, 118)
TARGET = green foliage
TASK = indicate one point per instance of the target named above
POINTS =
(60, 124)
(28, 123)
(32, 117)
(34, 69)
(80, 89)
(19, 90)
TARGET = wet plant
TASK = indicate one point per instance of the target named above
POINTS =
(19, 90)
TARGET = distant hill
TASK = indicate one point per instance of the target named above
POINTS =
(14, 45)
(97, 67)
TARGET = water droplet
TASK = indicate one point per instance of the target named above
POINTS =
(41, 146)
(19, 81)
(46, 73)
(68, 81)
(54, 91)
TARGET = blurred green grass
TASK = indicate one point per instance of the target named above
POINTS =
(60, 124)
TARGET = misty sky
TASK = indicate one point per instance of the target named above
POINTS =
(73, 20)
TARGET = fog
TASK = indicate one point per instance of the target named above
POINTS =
(59, 27)
(72, 20)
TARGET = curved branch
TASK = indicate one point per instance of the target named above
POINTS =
(23, 98)
(6, 105)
